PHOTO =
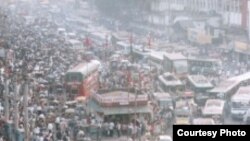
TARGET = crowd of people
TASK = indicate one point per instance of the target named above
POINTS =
(39, 59)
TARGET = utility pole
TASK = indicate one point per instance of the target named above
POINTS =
(16, 111)
(6, 100)
(26, 116)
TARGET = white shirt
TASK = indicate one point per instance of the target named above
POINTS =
(50, 126)
(40, 138)
(111, 125)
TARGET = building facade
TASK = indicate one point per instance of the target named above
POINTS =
(233, 12)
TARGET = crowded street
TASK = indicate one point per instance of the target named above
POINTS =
(67, 73)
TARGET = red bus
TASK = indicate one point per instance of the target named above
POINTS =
(82, 79)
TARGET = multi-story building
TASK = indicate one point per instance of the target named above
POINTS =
(233, 12)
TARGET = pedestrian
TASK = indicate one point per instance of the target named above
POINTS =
(111, 128)
(118, 127)
(99, 131)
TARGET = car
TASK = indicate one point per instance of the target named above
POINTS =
(164, 138)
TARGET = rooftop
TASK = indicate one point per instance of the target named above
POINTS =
(175, 56)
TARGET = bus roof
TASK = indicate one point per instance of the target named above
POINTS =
(139, 51)
(85, 68)
(214, 103)
(119, 96)
(224, 86)
(157, 55)
(240, 78)
(199, 81)
(242, 95)
(214, 107)
(175, 56)
(175, 81)
(192, 58)
(162, 96)
(122, 43)
(230, 83)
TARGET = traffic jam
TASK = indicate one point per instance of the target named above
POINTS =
(70, 78)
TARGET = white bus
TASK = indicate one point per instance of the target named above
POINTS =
(229, 87)
(240, 102)
(199, 83)
(170, 83)
(243, 79)
(156, 59)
